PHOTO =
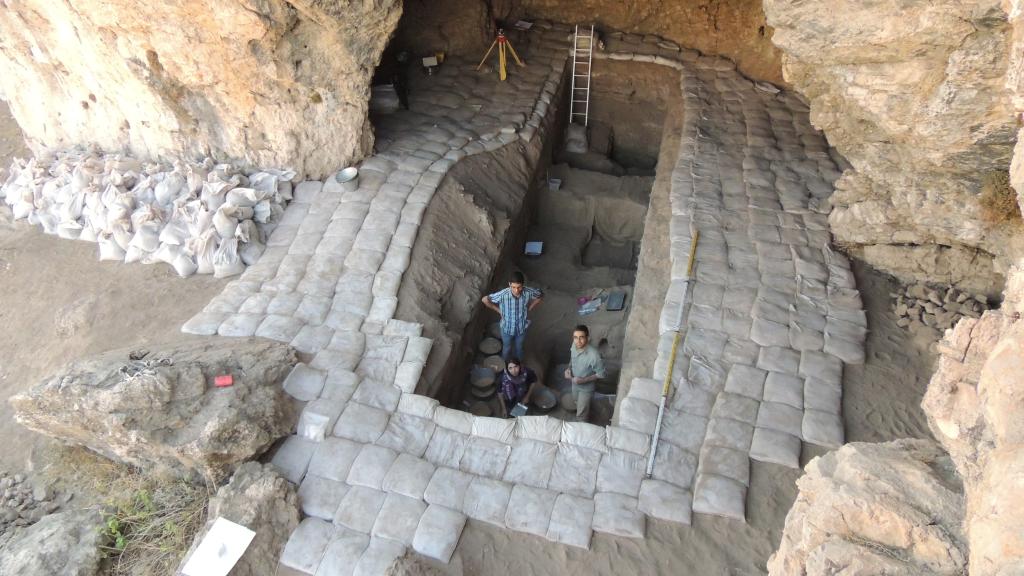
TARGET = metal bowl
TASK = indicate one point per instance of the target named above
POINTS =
(544, 399)
(348, 178)
(347, 175)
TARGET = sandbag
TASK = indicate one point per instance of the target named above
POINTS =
(371, 465)
(109, 248)
(500, 429)
(446, 447)
(408, 476)
(121, 231)
(250, 252)
(184, 265)
(169, 188)
(438, 532)
(575, 470)
(664, 501)
(571, 521)
(776, 447)
(69, 230)
(247, 197)
(720, 496)
(408, 433)
(485, 457)
(225, 221)
(725, 462)
(618, 514)
(542, 428)
(584, 435)
(621, 472)
(226, 262)
(417, 405)
(487, 500)
(530, 463)
(204, 248)
(175, 232)
(147, 237)
(529, 509)
(133, 254)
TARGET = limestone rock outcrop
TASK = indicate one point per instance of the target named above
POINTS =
(975, 408)
(263, 501)
(267, 83)
(735, 29)
(911, 506)
(879, 509)
(164, 410)
(913, 95)
(62, 544)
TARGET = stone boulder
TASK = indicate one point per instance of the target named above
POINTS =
(879, 509)
(260, 499)
(62, 544)
(164, 410)
(913, 95)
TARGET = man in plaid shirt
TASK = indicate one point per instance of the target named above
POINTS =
(513, 304)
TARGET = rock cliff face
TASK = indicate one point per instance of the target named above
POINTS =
(879, 509)
(975, 408)
(267, 82)
(732, 28)
(912, 94)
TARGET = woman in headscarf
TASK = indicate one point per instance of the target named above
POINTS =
(517, 385)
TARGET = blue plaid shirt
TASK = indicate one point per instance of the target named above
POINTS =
(513, 310)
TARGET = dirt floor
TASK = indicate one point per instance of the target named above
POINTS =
(61, 303)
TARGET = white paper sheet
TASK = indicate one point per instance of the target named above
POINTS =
(217, 554)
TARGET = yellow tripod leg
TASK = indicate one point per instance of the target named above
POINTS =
(501, 62)
(514, 55)
(484, 59)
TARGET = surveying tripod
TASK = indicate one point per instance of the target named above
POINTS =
(502, 43)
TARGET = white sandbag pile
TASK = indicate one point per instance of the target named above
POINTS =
(201, 218)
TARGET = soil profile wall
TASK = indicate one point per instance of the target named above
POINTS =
(732, 28)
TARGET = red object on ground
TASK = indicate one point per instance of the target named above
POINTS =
(223, 380)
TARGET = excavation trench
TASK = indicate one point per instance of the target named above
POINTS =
(591, 223)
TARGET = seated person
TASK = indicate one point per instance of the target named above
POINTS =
(517, 385)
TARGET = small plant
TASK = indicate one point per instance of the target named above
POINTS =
(148, 521)
(998, 199)
(151, 528)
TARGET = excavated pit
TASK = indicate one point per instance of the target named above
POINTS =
(591, 224)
